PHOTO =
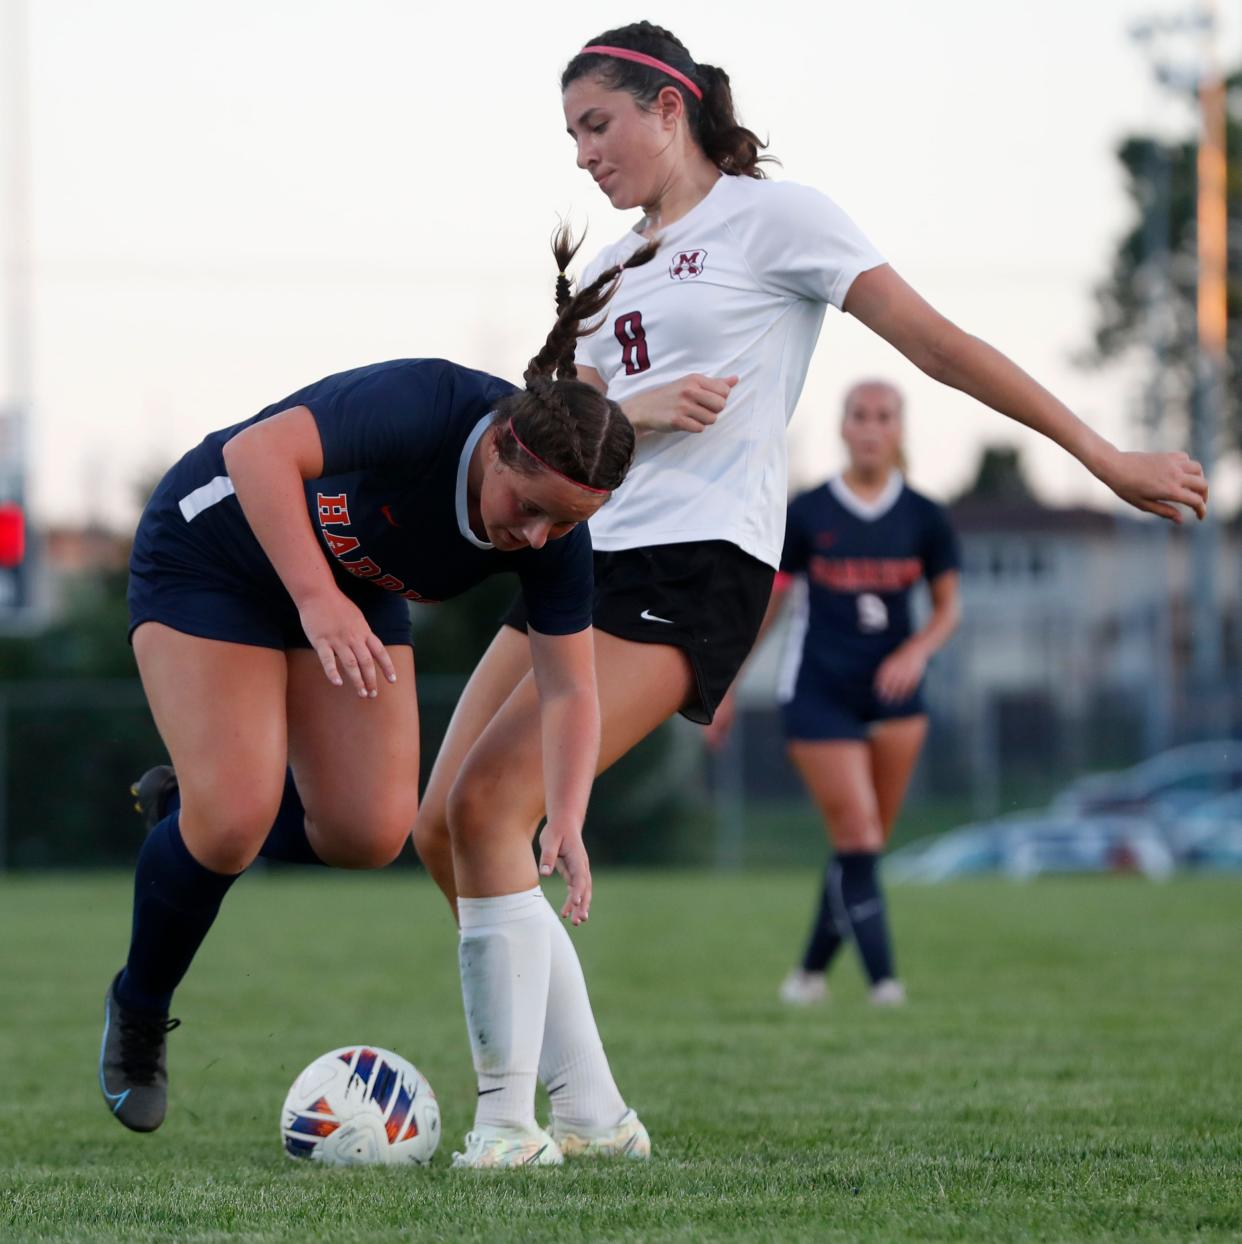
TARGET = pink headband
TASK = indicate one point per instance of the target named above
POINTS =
(641, 58)
(547, 466)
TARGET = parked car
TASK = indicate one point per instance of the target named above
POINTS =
(1187, 828)
(971, 851)
(1166, 785)
(1210, 834)
(1023, 845)
(1222, 852)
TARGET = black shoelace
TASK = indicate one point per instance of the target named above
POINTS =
(142, 1040)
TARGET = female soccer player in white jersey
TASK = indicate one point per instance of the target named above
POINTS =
(851, 684)
(267, 597)
(706, 350)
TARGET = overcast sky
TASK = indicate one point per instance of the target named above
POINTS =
(230, 199)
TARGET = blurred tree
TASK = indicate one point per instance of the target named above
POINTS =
(999, 477)
(1148, 298)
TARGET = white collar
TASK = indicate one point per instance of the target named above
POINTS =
(463, 481)
(868, 511)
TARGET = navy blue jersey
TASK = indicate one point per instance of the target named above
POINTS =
(861, 562)
(390, 509)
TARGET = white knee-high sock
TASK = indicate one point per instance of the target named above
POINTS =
(505, 958)
(572, 1065)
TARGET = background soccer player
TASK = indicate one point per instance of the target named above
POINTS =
(851, 688)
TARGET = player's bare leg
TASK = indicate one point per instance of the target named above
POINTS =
(505, 663)
(895, 747)
(493, 804)
(838, 777)
(355, 761)
(220, 709)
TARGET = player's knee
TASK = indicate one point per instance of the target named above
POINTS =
(376, 852)
(431, 835)
(371, 839)
(226, 832)
(857, 830)
(472, 809)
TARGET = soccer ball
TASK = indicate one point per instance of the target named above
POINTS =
(361, 1106)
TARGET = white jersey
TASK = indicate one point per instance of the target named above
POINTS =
(738, 287)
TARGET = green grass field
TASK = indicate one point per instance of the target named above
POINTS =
(1068, 1067)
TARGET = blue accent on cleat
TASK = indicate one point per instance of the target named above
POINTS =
(132, 1057)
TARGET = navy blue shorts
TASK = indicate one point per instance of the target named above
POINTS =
(195, 590)
(826, 707)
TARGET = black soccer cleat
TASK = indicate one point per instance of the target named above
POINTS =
(133, 1071)
(151, 793)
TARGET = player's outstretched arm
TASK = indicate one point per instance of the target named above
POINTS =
(564, 667)
(1155, 482)
(268, 464)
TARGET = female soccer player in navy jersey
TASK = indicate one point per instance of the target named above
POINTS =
(268, 588)
(706, 350)
(851, 687)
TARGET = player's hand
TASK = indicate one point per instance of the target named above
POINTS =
(900, 673)
(687, 405)
(346, 646)
(563, 850)
(717, 731)
(1154, 482)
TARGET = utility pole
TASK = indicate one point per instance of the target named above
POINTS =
(1212, 239)
(15, 569)
(1204, 83)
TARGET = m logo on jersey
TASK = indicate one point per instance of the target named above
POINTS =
(687, 264)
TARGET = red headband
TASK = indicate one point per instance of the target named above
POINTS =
(641, 58)
(547, 466)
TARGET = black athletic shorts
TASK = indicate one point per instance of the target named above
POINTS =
(705, 597)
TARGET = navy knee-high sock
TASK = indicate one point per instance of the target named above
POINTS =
(826, 934)
(862, 903)
(286, 840)
(175, 902)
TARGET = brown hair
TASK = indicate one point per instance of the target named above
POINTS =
(569, 424)
(730, 146)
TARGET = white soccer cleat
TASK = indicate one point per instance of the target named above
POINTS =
(888, 992)
(628, 1139)
(494, 1148)
(802, 988)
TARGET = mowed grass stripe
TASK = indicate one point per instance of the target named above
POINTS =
(1067, 1068)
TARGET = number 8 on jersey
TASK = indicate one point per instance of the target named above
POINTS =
(632, 335)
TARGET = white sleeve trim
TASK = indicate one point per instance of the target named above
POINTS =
(194, 503)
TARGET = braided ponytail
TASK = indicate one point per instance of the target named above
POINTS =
(557, 356)
(564, 249)
(733, 148)
(570, 425)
